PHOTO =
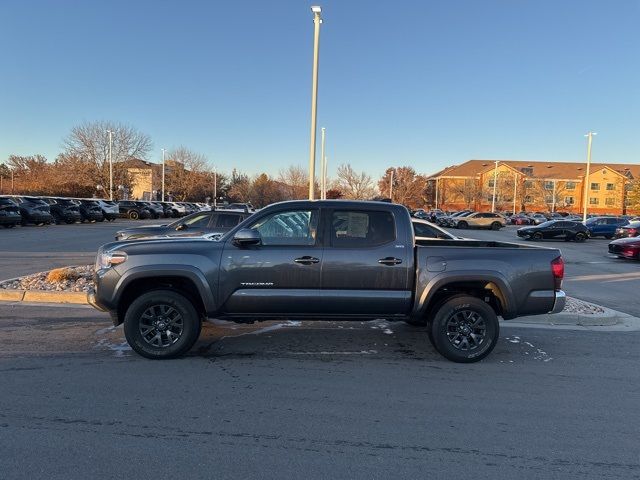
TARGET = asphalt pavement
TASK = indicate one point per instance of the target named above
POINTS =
(357, 400)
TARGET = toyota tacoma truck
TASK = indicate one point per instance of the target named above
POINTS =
(324, 260)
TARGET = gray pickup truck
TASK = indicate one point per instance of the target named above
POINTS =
(324, 260)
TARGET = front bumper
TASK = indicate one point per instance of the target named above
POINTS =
(560, 302)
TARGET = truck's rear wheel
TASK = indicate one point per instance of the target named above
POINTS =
(161, 324)
(464, 329)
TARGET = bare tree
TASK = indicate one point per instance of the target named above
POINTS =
(467, 190)
(90, 142)
(295, 182)
(188, 175)
(409, 188)
(354, 185)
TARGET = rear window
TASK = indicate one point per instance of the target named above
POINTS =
(359, 228)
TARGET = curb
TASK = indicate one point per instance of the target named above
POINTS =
(43, 296)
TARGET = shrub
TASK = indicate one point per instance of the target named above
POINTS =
(62, 275)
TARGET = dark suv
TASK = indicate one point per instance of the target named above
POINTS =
(63, 210)
(90, 210)
(9, 213)
(133, 210)
(33, 210)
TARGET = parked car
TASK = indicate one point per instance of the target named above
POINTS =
(246, 207)
(423, 230)
(109, 208)
(362, 263)
(133, 210)
(9, 213)
(605, 226)
(90, 211)
(63, 210)
(33, 210)
(156, 210)
(449, 221)
(492, 221)
(538, 218)
(520, 219)
(195, 224)
(626, 248)
(630, 230)
(179, 209)
(556, 229)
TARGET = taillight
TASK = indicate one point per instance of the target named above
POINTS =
(557, 268)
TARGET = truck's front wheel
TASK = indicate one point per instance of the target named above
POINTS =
(464, 329)
(161, 324)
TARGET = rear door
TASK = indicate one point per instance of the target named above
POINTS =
(366, 263)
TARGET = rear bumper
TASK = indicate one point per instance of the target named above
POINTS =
(560, 302)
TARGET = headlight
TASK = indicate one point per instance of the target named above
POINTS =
(109, 259)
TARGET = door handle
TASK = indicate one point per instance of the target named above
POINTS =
(307, 260)
(390, 261)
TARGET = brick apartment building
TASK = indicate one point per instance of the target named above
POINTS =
(534, 186)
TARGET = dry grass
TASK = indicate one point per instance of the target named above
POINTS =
(62, 275)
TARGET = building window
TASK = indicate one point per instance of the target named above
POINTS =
(491, 183)
(593, 201)
(569, 200)
(611, 186)
(570, 185)
(595, 186)
(527, 170)
(548, 185)
(528, 199)
(528, 184)
(610, 202)
(548, 199)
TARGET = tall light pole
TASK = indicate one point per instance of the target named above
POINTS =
(322, 164)
(436, 193)
(589, 136)
(317, 20)
(163, 174)
(515, 191)
(391, 185)
(215, 187)
(110, 132)
(495, 182)
(324, 178)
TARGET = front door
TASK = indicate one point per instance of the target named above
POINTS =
(366, 264)
(279, 276)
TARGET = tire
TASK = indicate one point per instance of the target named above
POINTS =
(496, 226)
(608, 237)
(9, 225)
(69, 221)
(463, 224)
(157, 343)
(537, 236)
(133, 215)
(579, 237)
(459, 323)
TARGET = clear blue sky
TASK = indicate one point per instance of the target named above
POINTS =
(419, 83)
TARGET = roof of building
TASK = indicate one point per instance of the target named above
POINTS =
(537, 169)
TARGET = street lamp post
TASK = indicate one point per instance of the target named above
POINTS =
(317, 20)
(589, 136)
(110, 132)
(215, 188)
(495, 181)
(322, 165)
(436, 193)
(163, 174)
(515, 191)
(391, 185)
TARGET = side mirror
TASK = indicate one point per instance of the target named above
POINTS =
(182, 226)
(247, 237)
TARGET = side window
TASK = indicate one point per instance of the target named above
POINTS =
(422, 230)
(198, 221)
(362, 228)
(297, 227)
(226, 220)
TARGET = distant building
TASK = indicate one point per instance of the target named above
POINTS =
(147, 178)
(533, 186)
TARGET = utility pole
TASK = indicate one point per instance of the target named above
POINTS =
(324, 178)
(317, 20)
(553, 198)
(436, 193)
(322, 165)
(163, 174)
(495, 182)
(585, 200)
(515, 191)
(391, 185)
(12, 181)
(215, 188)
(110, 132)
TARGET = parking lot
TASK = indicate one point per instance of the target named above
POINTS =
(344, 400)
